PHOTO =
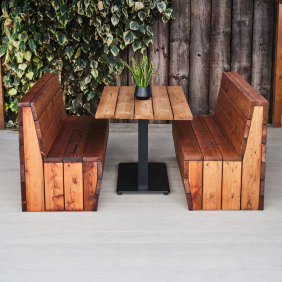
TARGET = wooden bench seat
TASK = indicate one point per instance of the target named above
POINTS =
(62, 157)
(222, 156)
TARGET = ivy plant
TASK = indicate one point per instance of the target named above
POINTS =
(79, 40)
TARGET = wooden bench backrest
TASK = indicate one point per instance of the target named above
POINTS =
(46, 101)
(235, 107)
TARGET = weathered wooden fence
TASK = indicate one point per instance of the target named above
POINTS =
(209, 37)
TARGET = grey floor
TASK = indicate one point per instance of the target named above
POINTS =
(140, 237)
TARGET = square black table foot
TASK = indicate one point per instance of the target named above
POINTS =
(128, 179)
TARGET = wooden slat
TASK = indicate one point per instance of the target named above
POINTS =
(59, 146)
(76, 145)
(20, 116)
(249, 90)
(54, 186)
(180, 29)
(52, 131)
(237, 117)
(199, 60)
(73, 185)
(21, 153)
(179, 105)
(34, 179)
(188, 141)
(277, 97)
(161, 105)
(223, 143)
(107, 104)
(244, 102)
(252, 164)
(206, 142)
(262, 171)
(264, 134)
(23, 195)
(44, 96)
(212, 176)
(143, 109)
(2, 104)
(20, 131)
(49, 114)
(261, 195)
(220, 60)
(196, 183)
(242, 34)
(231, 131)
(263, 153)
(28, 97)
(125, 103)
(90, 178)
(231, 185)
(95, 147)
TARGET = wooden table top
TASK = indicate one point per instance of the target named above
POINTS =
(167, 103)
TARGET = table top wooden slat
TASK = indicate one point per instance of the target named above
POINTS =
(179, 105)
(125, 103)
(161, 103)
(167, 103)
(108, 101)
(143, 109)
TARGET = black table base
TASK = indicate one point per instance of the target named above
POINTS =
(142, 177)
(128, 179)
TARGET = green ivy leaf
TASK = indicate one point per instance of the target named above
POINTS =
(76, 36)
(22, 67)
(130, 3)
(13, 91)
(88, 79)
(114, 20)
(106, 49)
(103, 59)
(69, 51)
(107, 79)
(29, 75)
(90, 95)
(133, 25)
(61, 37)
(75, 105)
(32, 46)
(149, 30)
(22, 46)
(136, 45)
(142, 28)
(63, 9)
(27, 56)
(63, 19)
(114, 50)
(141, 16)
(161, 6)
(38, 38)
(139, 6)
(22, 36)
(128, 37)
(85, 48)
(19, 56)
(95, 73)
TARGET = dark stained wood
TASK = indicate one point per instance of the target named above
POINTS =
(242, 100)
(44, 96)
(180, 29)
(28, 97)
(95, 145)
(199, 56)
(262, 171)
(264, 133)
(21, 151)
(231, 131)
(223, 143)
(20, 116)
(2, 104)
(262, 46)
(76, 145)
(59, 146)
(237, 117)
(90, 182)
(263, 153)
(22, 172)
(20, 131)
(206, 142)
(277, 96)
(241, 43)
(220, 47)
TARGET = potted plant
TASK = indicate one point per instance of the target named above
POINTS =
(142, 75)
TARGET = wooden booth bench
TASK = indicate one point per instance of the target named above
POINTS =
(222, 156)
(62, 157)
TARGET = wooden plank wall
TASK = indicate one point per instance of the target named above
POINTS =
(209, 37)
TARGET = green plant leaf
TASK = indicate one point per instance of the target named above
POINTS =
(128, 37)
(69, 51)
(130, 3)
(76, 36)
(106, 49)
(94, 64)
(38, 38)
(86, 48)
(19, 56)
(88, 79)
(142, 28)
(139, 5)
(27, 56)
(133, 25)
(103, 59)
(22, 36)
(136, 45)
(22, 67)
(95, 73)
(149, 30)
(90, 95)
(30, 75)
(61, 37)
(63, 19)
(161, 6)
(114, 50)
(115, 20)
(13, 91)
(32, 46)
(63, 9)
(22, 46)
(141, 16)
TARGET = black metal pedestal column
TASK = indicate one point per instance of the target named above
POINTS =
(142, 177)
(143, 155)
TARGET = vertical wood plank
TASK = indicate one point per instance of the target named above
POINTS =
(90, 177)
(220, 47)
(212, 177)
(34, 179)
(231, 185)
(73, 184)
(196, 183)
(277, 99)
(199, 56)
(262, 46)
(251, 167)
(2, 111)
(179, 45)
(54, 186)
(241, 43)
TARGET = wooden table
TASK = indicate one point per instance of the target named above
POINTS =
(167, 103)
